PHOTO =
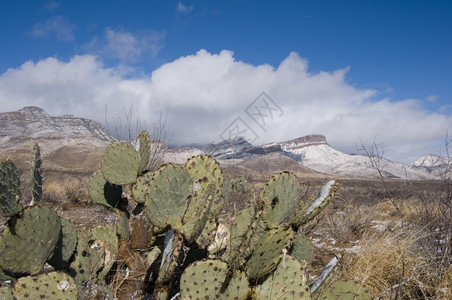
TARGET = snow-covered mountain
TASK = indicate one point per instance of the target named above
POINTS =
(314, 152)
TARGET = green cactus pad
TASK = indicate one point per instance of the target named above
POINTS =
(35, 175)
(6, 293)
(207, 235)
(345, 290)
(246, 230)
(122, 225)
(104, 239)
(210, 279)
(9, 189)
(29, 240)
(302, 248)
(143, 146)
(281, 196)
(196, 216)
(140, 189)
(103, 192)
(206, 174)
(95, 254)
(120, 164)
(169, 192)
(287, 282)
(87, 260)
(311, 209)
(268, 252)
(53, 285)
(66, 245)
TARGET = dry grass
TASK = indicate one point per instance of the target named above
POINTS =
(387, 260)
(64, 188)
(396, 254)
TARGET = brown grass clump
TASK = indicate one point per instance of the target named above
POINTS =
(387, 263)
(66, 189)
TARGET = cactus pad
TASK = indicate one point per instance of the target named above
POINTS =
(268, 252)
(140, 189)
(143, 146)
(104, 239)
(281, 196)
(53, 285)
(346, 290)
(29, 240)
(167, 200)
(313, 208)
(302, 248)
(6, 293)
(65, 246)
(9, 189)
(120, 164)
(103, 192)
(208, 181)
(95, 254)
(210, 279)
(246, 230)
(289, 281)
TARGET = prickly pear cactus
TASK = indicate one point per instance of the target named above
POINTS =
(29, 240)
(65, 246)
(268, 252)
(103, 192)
(120, 164)
(168, 195)
(206, 173)
(104, 240)
(246, 230)
(287, 282)
(207, 199)
(6, 293)
(95, 254)
(140, 189)
(281, 196)
(9, 189)
(346, 290)
(122, 226)
(302, 248)
(143, 146)
(35, 175)
(311, 209)
(211, 279)
(53, 285)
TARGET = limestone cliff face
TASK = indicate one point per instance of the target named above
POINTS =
(66, 142)
(34, 123)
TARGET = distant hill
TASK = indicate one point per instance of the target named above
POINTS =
(67, 143)
(72, 144)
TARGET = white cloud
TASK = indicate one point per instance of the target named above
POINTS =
(51, 5)
(58, 26)
(204, 93)
(183, 8)
(125, 46)
(432, 98)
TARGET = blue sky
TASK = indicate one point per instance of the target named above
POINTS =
(352, 70)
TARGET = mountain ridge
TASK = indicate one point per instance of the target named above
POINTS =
(70, 140)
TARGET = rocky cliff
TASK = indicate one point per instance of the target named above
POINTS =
(67, 142)
(34, 123)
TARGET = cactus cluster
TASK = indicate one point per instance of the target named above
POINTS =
(35, 236)
(193, 253)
